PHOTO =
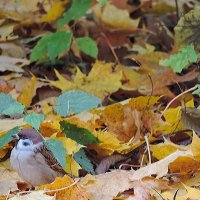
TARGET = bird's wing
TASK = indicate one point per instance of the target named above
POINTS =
(51, 160)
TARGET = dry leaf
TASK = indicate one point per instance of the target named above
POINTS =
(159, 168)
(72, 192)
(36, 195)
(98, 82)
(115, 18)
(7, 124)
(12, 64)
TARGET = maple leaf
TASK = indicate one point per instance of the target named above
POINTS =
(71, 193)
(101, 81)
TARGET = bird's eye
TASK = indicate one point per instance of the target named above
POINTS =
(22, 137)
(26, 144)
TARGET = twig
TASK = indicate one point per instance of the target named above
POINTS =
(56, 190)
(142, 160)
(181, 94)
(64, 188)
(128, 165)
(148, 148)
(111, 48)
(177, 10)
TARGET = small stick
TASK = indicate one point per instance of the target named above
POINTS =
(128, 165)
(56, 190)
(148, 148)
(181, 94)
(111, 48)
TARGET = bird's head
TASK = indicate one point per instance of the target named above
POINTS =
(27, 138)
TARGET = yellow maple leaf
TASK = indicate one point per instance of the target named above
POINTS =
(66, 189)
(101, 81)
(28, 91)
(109, 143)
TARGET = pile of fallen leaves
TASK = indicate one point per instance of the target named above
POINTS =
(112, 86)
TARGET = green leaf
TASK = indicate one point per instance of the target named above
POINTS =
(59, 152)
(88, 46)
(74, 102)
(5, 139)
(51, 46)
(81, 158)
(102, 2)
(34, 120)
(60, 41)
(181, 60)
(187, 29)
(9, 106)
(77, 10)
(39, 52)
(197, 91)
(80, 135)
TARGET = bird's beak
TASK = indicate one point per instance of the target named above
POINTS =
(15, 136)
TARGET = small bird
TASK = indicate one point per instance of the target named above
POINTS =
(34, 163)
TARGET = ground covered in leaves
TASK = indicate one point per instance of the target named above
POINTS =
(112, 85)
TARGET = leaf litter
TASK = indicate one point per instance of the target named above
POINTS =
(124, 144)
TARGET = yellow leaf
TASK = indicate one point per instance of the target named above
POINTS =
(110, 144)
(163, 150)
(72, 191)
(195, 146)
(72, 166)
(28, 91)
(190, 193)
(114, 17)
(142, 102)
(71, 146)
(101, 80)
(56, 10)
(173, 119)
(48, 128)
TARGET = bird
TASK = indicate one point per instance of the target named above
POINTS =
(32, 160)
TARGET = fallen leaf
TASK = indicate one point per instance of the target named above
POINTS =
(8, 180)
(72, 192)
(115, 18)
(56, 10)
(190, 193)
(184, 167)
(28, 91)
(109, 185)
(162, 150)
(159, 168)
(98, 82)
(36, 195)
(6, 33)
(7, 124)
(195, 147)
(12, 64)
